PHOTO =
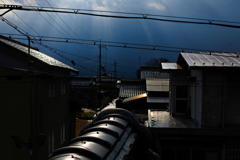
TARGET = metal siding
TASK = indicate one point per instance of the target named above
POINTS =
(158, 100)
(153, 74)
(160, 85)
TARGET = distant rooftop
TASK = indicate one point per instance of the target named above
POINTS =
(212, 59)
(131, 90)
(157, 85)
(170, 66)
(153, 74)
(35, 53)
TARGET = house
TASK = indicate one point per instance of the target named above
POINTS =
(149, 72)
(132, 94)
(34, 90)
(203, 118)
(206, 89)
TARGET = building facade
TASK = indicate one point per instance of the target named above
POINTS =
(206, 89)
(34, 91)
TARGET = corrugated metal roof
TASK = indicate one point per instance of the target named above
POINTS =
(36, 54)
(158, 100)
(157, 85)
(171, 66)
(131, 90)
(212, 59)
(153, 74)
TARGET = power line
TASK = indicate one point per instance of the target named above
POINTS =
(31, 38)
(61, 19)
(94, 44)
(57, 27)
(25, 23)
(66, 31)
(115, 44)
(127, 15)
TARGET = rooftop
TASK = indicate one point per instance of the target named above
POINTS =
(162, 119)
(170, 66)
(35, 53)
(211, 59)
(131, 90)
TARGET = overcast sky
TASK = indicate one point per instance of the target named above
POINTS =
(136, 31)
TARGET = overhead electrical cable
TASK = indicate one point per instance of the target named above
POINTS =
(20, 30)
(58, 25)
(127, 15)
(114, 44)
(68, 27)
(29, 26)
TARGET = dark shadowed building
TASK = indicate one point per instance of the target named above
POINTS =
(206, 89)
(84, 92)
(34, 91)
(203, 122)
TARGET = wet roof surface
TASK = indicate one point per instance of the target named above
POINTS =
(162, 119)
(38, 55)
(212, 59)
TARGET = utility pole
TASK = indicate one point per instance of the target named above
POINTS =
(100, 75)
(100, 63)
